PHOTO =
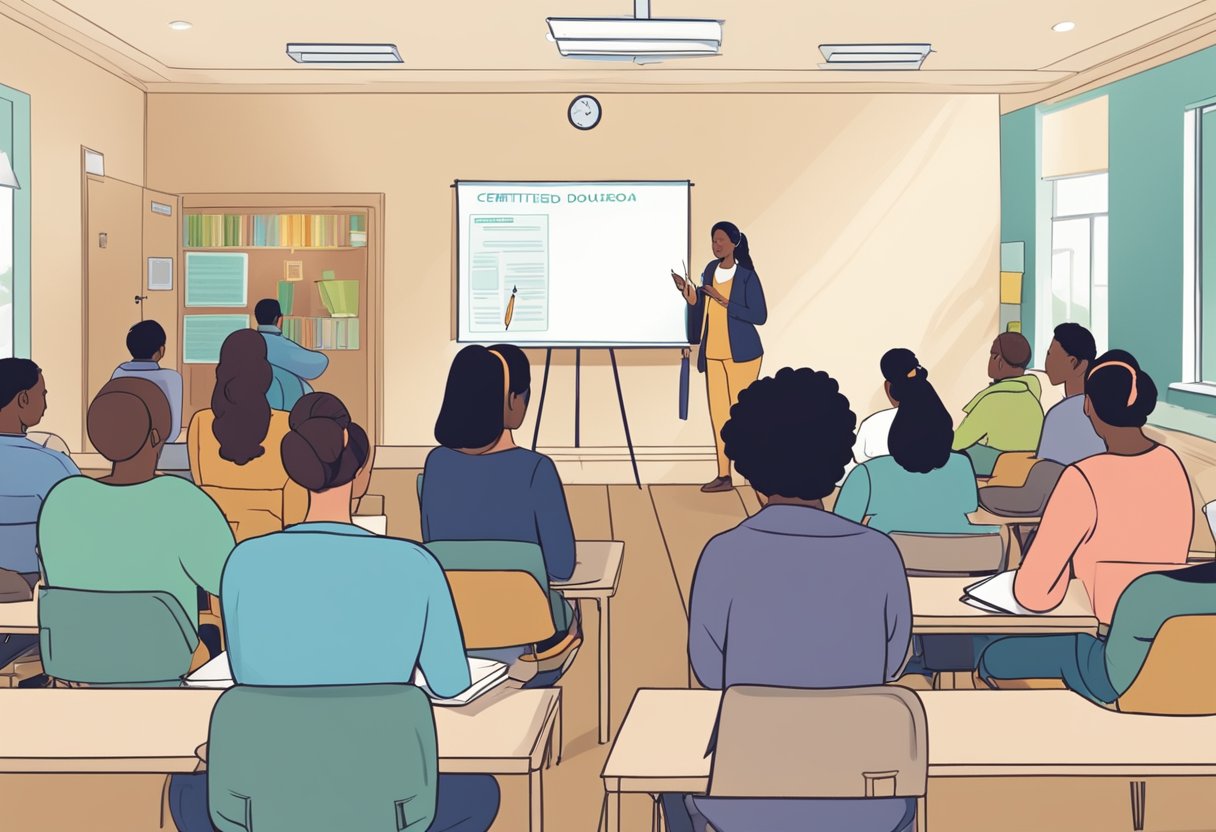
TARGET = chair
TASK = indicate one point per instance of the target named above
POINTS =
(14, 588)
(868, 742)
(114, 639)
(322, 758)
(500, 589)
(1172, 681)
(940, 555)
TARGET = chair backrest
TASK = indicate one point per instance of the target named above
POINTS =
(14, 588)
(951, 554)
(121, 639)
(315, 759)
(833, 743)
(501, 590)
(1174, 681)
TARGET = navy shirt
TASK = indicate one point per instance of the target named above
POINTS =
(510, 495)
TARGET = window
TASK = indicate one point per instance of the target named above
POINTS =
(1199, 240)
(15, 226)
(1078, 290)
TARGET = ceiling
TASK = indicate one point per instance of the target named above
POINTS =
(980, 45)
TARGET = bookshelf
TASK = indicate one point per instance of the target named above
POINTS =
(291, 247)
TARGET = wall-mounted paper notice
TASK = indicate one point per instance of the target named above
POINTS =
(160, 274)
(1011, 287)
(1013, 257)
(202, 336)
(217, 278)
(1014, 326)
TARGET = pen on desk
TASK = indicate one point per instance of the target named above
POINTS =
(506, 321)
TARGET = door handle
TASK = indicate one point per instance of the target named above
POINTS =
(140, 298)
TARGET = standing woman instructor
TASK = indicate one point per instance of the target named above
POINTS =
(725, 327)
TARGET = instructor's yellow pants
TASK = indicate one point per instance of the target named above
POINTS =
(724, 379)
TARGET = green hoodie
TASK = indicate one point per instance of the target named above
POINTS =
(1005, 416)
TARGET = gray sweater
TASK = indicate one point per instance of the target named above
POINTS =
(798, 597)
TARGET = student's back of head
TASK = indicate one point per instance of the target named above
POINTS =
(791, 435)
(145, 340)
(127, 416)
(267, 312)
(242, 414)
(22, 403)
(325, 448)
(1119, 392)
(487, 392)
(922, 432)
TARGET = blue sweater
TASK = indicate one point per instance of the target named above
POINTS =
(511, 495)
(382, 606)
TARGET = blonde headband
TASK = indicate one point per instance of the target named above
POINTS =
(1131, 397)
(912, 372)
(506, 375)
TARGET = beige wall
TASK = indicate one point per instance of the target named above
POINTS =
(873, 221)
(72, 103)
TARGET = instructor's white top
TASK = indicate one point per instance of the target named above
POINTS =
(872, 436)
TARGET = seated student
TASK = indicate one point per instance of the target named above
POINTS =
(146, 343)
(132, 530)
(1102, 669)
(1021, 483)
(874, 429)
(385, 603)
(1007, 414)
(795, 596)
(28, 472)
(921, 487)
(1116, 515)
(294, 366)
(517, 493)
(234, 446)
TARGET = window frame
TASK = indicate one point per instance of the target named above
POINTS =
(17, 145)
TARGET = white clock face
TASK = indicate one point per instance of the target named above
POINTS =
(585, 112)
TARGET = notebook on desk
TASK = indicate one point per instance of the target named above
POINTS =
(995, 595)
(485, 673)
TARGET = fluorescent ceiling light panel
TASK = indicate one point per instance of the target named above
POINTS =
(628, 38)
(344, 53)
(875, 56)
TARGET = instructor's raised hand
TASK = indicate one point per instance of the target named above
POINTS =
(686, 287)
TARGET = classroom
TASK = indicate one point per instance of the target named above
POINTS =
(676, 415)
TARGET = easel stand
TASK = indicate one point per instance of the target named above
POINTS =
(616, 375)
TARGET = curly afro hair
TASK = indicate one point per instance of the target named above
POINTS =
(791, 435)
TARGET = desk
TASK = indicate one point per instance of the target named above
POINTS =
(20, 617)
(937, 610)
(156, 731)
(661, 745)
(597, 575)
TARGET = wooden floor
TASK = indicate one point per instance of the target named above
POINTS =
(664, 528)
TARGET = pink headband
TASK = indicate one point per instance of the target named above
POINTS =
(1131, 397)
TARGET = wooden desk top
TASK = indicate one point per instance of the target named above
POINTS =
(597, 569)
(983, 517)
(936, 609)
(20, 617)
(661, 744)
(91, 731)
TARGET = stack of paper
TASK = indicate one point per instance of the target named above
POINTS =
(486, 675)
(995, 595)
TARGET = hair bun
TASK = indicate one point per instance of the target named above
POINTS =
(324, 436)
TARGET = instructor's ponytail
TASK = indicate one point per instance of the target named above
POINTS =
(742, 255)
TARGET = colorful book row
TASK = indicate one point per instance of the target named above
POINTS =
(275, 230)
(323, 333)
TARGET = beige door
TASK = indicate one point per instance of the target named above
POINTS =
(113, 283)
(162, 224)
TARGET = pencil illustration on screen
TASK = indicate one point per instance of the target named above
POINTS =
(506, 321)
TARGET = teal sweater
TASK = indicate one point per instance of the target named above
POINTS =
(897, 500)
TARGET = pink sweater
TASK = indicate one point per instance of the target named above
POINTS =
(1110, 520)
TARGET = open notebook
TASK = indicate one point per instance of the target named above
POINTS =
(995, 595)
(485, 673)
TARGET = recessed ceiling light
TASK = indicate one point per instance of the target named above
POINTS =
(180, 25)
(1064, 26)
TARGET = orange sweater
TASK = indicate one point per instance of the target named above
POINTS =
(258, 497)
(1110, 520)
